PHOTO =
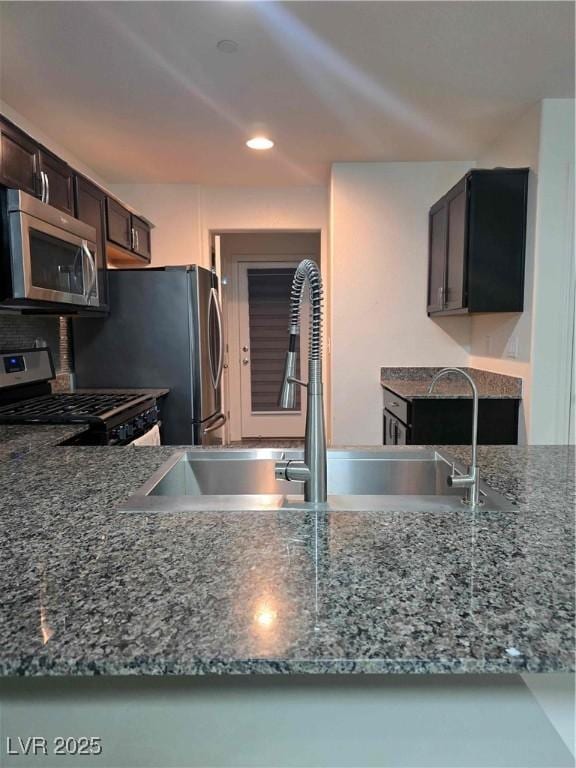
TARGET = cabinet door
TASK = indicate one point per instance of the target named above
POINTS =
(456, 252)
(401, 434)
(91, 209)
(141, 238)
(119, 226)
(437, 256)
(18, 160)
(58, 182)
(389, 424)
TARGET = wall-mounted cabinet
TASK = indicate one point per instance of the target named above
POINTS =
(128, 235)
(123, 237)
(56, 182)
(25, 165)
(90, 205)
(477, 243)
(18, 159)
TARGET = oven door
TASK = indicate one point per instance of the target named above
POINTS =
(53, 260)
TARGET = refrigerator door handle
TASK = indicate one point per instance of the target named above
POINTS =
(216, 375)
(219, 422)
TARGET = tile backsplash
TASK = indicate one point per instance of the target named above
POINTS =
(23, 330)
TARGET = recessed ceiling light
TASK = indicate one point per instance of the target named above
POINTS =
(260, 142)
(227, 46)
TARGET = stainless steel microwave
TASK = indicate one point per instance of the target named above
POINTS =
(47, 256)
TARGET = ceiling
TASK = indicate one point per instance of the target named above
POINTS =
(140, 93)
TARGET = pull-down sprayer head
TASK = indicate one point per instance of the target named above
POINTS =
(287, 397)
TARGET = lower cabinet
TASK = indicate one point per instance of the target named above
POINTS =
(449, 422)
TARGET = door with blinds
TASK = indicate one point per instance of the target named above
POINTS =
(264, 308)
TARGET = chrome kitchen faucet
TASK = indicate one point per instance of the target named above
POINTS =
(471, 481)
(313, 469)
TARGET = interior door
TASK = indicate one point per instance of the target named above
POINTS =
(263, 306)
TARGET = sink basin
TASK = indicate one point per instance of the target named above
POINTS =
(388, 478)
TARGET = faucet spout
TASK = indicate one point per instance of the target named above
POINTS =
(313, 469)
(471, 481)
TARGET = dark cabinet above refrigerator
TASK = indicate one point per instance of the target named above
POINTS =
(477, 241)
(128, 236)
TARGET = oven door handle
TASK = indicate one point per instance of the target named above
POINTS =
(93, 277)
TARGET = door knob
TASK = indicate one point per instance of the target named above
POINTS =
(245, 361)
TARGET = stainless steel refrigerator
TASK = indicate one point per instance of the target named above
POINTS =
(164, 330)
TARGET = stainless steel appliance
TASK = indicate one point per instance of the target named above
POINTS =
(164, 330)
(47, 255)
(111, 418)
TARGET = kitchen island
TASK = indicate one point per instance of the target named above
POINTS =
(88, 591)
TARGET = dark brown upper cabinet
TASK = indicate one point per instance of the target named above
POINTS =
(131, 233)
(119, 230)
(18, 159)
(90, 205)
(26, 165)
(477, 243)
(56, 182)
(141, 237)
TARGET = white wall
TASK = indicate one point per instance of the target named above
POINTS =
(379, 246)
(554, 277)
(49, 142)
(253, 208)
(542, 139)
(185, 214)
(174, 209)
(493, 335)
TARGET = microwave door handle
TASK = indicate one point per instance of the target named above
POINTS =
(90, 288)
(47, 188)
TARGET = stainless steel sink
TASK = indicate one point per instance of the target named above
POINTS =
(380, 479)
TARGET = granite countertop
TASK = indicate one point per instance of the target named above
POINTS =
(19, 439)
(87, 590)
(413, 383)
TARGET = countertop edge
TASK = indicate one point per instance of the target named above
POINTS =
(39, 666)
(389, 385)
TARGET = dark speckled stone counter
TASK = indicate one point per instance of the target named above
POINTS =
(413, 383)
(17, 439)
(86, 590)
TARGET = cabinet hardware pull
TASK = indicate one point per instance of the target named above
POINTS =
(43, 187)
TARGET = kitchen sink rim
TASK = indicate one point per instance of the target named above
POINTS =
(144, 501)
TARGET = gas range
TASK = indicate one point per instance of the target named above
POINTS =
(112, 418)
